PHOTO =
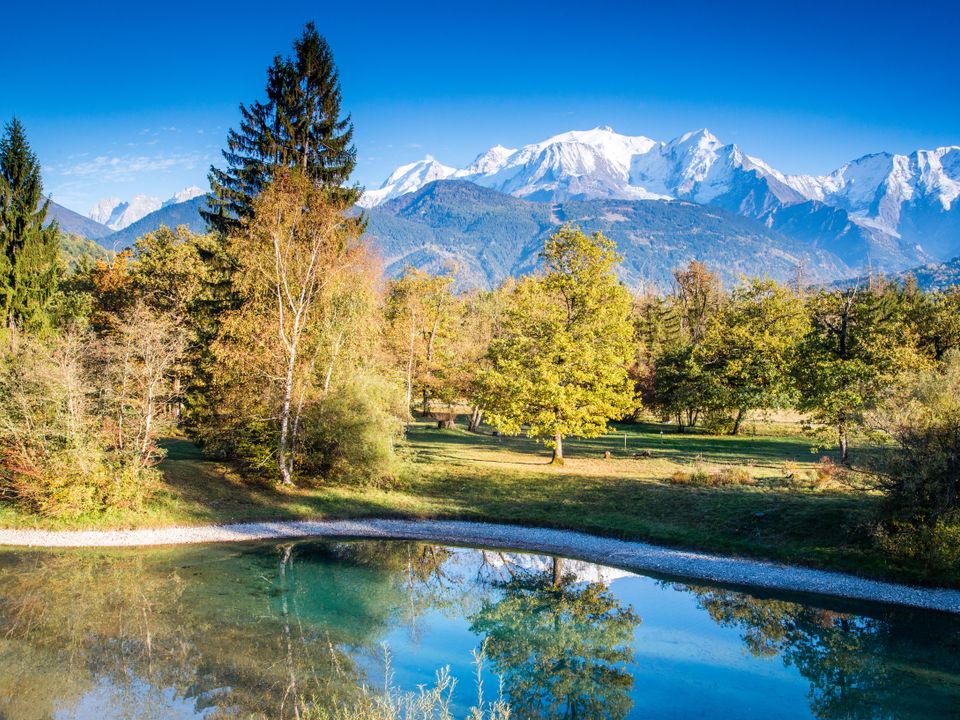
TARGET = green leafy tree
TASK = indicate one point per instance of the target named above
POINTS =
(670, 371)
(298, 125)
(561, 647)
(921, 416)
(559, 367)
(420, 316)
(748, 349)
(681, 388)
(935, 318)
(29, 253)
(304, 283)
(697, 297)
(858, 344)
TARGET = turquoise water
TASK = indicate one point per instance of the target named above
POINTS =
(281, 629)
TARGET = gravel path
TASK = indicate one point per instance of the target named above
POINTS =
(636, 556)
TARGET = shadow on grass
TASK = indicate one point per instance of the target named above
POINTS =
(211, 490)
(683, 448)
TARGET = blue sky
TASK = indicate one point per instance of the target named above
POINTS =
(137, 97)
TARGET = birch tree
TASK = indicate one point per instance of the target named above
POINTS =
(294, 259)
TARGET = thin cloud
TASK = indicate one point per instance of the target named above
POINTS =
(126, 168)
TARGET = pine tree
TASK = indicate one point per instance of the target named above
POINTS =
(29, 268)
(299, 125)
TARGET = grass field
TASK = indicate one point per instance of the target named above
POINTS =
(777, 510)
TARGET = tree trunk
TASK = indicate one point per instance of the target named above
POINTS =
(333, 359)
(476, 416)
(177, 401)
(557, 450)
(736, 423)
(844, 448)
(413, 336)
(147, 426)
(557, 571)
(283, 450)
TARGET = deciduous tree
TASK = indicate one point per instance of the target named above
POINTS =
(559, 367)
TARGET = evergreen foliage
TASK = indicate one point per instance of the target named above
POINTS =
(29, 253)
(299, 125)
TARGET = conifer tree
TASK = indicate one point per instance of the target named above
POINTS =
(29, 266)
(298, 125)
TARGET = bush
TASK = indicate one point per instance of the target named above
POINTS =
(351, 433)
(921, 472)
(827, 470)
(713, 478)
(56, 454)
(933, 550)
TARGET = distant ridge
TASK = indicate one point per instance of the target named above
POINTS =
(184, 213)
(489, 236)
(75, 223)
(882, 210)
(932, 276)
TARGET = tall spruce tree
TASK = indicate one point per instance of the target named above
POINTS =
(29, 267)
(299, 125)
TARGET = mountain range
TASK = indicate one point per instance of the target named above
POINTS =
(118, 214)
(488, 236)
(665, 203)
(891, 211)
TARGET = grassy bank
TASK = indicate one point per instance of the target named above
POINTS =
(660, 488)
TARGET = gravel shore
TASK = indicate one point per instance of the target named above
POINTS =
(635, 556)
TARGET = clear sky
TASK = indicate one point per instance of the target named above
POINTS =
(125, 98)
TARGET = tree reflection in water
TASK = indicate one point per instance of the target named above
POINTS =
(562, 647)
(229, 632)
(857, 666)
(270, 630)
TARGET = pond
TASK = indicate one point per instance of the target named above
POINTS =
(272, 629)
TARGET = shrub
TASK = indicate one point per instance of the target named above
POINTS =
(57, 457)
(713, 478)
(351, 433)
(921, 471)
(931, 549)
(827, 470)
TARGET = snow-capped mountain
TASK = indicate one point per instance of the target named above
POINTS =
(894, 206)
(104, 208)
(188, 193)
(406, 179)
(117, 214)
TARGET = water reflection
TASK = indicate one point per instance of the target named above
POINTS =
(562, 647)
(905, 665)
(271, 630)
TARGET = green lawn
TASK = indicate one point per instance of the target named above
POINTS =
(456, 474)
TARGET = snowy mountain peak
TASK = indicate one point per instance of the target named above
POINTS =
(188, 193)
(696, 138)
(103, 209)
(407, 178)
(117, 214)
(490, 161)
(883, 192)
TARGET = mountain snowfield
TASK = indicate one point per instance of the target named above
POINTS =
(117, 214)
(896, 202)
